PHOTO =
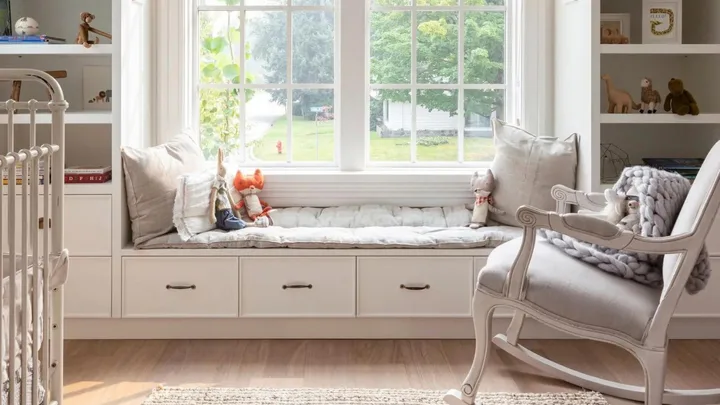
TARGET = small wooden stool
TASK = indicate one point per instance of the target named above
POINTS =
(17, 84)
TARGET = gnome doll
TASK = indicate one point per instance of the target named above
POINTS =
(483, 187)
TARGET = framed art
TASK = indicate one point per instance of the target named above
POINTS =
(613, 27)
(662, 22)
(97, 88)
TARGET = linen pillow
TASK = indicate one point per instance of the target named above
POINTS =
(151, 182)
(191, 213)
(526, 167)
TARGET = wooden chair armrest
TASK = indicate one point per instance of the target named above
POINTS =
(565, 197)
(587, 229)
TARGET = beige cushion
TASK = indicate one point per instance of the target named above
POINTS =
(526, 167)
(575, 290)
(151, 180)
(193, 208)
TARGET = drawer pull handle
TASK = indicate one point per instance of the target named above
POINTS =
(41, 223)
(180, 287)
(405, 287)
(308, 286)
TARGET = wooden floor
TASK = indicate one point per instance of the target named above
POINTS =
(124, 372)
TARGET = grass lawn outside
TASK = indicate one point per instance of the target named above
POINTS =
(316, 143)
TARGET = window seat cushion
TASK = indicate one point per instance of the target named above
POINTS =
(364, 226)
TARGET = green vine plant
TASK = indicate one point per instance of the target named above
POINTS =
(220, 108)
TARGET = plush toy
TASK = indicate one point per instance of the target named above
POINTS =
(622, 210)
(222, 212)
(483, 187)
(619, 101)
(649, 98)
(680, 101)
(249, 187)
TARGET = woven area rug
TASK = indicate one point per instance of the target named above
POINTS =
(311, 396)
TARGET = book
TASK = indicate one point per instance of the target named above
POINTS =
(675, 163)
(38, 39)
(88, 178)
(18, 181)
(87, 169)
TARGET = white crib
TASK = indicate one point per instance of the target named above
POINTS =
(35, 262)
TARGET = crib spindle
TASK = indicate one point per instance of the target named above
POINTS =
(25, 156)
(37, 271)
(46, 282)
(12, 239)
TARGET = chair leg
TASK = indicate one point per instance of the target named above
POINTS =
(483, 308)
(654, 364)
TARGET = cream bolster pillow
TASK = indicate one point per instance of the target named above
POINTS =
(526, 167)
(151, 180)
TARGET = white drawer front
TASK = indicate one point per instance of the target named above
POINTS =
(414, 287)
(180, 287)
(298, 286)
(88, 291)
(88, 225)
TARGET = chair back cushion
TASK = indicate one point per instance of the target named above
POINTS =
(695, 211)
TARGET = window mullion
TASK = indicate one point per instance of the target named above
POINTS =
(413, 83)
(289, 80)
(461, 81)
(243, 125)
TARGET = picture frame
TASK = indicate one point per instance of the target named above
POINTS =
(97, 88)
(614, 24)
(662, 22)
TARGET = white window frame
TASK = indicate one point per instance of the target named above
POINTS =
(529, 80)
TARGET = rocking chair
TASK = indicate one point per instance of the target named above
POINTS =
(539, 280)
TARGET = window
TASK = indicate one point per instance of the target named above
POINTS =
(429, 75)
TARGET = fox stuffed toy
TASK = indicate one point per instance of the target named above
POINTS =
(249, 188)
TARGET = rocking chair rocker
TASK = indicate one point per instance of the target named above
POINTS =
(539, 280)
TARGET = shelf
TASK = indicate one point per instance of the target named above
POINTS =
(74, 188)
(54, 49)
(75, 117)
(664, 118)
(660, 49)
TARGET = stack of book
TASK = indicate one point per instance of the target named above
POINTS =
(88, 174)
(686, 167)
(19, 173)
(30, 39)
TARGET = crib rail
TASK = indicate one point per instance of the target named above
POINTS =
(33, 243)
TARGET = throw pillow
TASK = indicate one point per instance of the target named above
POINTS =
(192, 210)
(526, 167)
(151, 182)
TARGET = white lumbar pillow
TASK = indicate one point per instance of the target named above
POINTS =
(191, 213)
(526, 167)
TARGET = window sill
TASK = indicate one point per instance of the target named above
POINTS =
(429, 176)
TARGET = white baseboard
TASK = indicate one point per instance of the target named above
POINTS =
(358, 328)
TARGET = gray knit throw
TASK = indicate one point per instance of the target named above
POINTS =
(661, 195)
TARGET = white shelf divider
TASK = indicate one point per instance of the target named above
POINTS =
(660, 118)
(74, 117)
(54, 49)
(660, 49)
(74, 188)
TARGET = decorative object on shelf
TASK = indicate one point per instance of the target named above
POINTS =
(222, 207)
(5, 18)
(679, 100)
(662, 22)
(83, 37)
(483, 187)
(614, 160)
(649, 98)
(686, 167)
(97, 88)
(88, 174)
(614, 28)
(249, 187)
(30, 39)
(17, 85)
(619, 101)
(27, 26)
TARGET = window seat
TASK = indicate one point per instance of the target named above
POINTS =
(362, 226)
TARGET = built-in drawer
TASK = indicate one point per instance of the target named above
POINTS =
(297, 287)
(414, 286)
(87, 225)
(180, 287)
(88, 290)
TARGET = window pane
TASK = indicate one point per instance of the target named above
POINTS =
(266, 126)
(313, 47)
(220, 49)
(219, 2)
(220, 121)
(313, 126)
(437, 2)
(480, 107)
(485, 47)
(485, 2)
(390, 125)
(312, 2)
(390, 3)
(390, 44)
(437, 47)
(265, 2)
(267, 36)
(437, 126)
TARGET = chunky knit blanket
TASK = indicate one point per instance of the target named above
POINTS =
(661, 196)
